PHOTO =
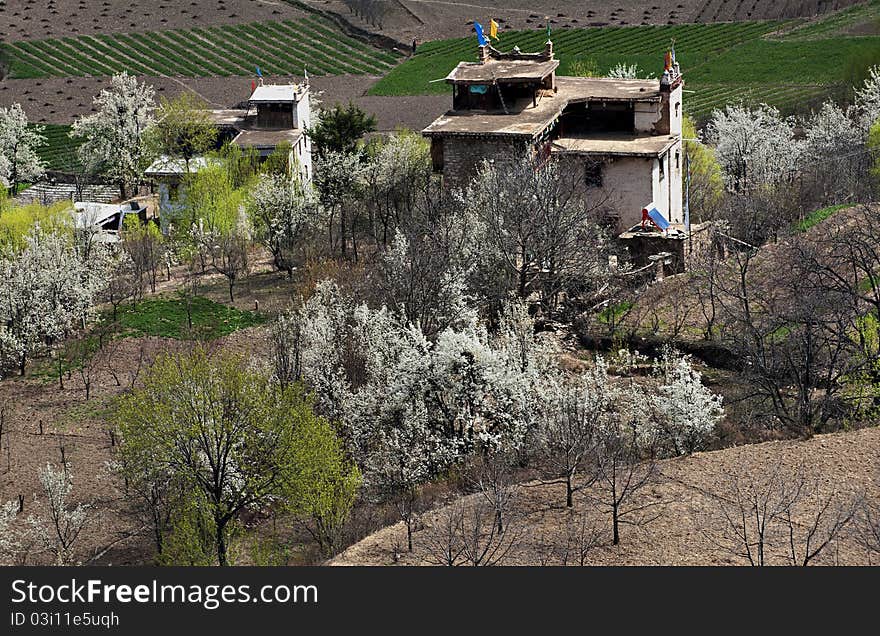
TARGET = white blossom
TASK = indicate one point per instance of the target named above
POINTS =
(59, 529)
(867, 100)
(19, 161)
(283, 210)
(49, 290)
(755, 146)
(831, 132)
(687, 411)
(117, 134)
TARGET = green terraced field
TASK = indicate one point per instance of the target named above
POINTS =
(785, 64)
(59, 151)
(278, 48)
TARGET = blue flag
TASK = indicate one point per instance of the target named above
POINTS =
(259, 73)
(481, 39)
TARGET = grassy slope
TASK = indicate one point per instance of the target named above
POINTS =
(785, 64)
(59, 150)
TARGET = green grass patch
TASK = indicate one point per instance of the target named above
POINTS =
(799, 62)
(814, 218)
(613, 313)
(167, 318)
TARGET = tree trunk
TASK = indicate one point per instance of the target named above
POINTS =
(231, 297)
(221, 544)
(569, 491)
(615, 524)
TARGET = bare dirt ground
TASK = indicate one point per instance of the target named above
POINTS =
(61, 100)
(30, 20)
(436, 19)
(689, 528)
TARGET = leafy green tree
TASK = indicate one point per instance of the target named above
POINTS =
(707, 181)
(874, 147)
(184, 128)
(223, 429)
(278, 162)
(16, 221)
(341, 128)
(191, 534)
(324, 485)
(234, 440)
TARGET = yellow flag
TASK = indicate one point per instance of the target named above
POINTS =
(493, 29)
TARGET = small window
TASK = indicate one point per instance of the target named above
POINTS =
(677, 160)
(662, 163)
(593, 174)
(677, 107)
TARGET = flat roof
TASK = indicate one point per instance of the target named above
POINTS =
(527, 120)
(506, 70)
(228, 116)
(643, 145)
(265, 138)
(275, 93)
(166, 166)
(581, 89)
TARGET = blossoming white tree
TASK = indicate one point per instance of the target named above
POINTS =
(572, 411)
(118, 133)
(687, 411)
(12, 540)
(755, 146)
(60, 528)
(19, 160)
(282, 211)
(867, 100)
(48, 290)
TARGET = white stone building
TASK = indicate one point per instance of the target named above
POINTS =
(275, 114)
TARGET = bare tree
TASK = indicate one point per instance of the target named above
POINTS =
(583, 536)
(481, 542)
(867, 526)
(625, 466)
(776, 516)
(821, 522)
(491, 473)
(443, 543)
(792, 333)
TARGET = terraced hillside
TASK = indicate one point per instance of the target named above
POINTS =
(784, 63)
(278, 48)
(437, 19)
(41, 19)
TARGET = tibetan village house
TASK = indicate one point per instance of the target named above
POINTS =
(622, 135)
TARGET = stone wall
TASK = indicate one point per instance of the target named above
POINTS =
(462, 156)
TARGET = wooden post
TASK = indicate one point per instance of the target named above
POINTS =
(21, 503)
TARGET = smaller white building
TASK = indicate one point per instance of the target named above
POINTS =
(276, 114)
(104, 220)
